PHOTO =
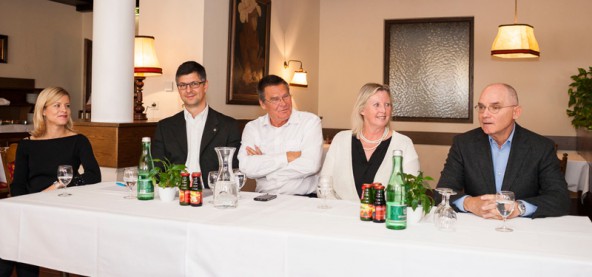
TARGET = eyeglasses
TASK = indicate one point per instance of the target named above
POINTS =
(192, 85)
(494, 109)
(276, 100)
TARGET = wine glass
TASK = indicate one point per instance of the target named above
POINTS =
(65, 174)
(212, 177)
(446, 216)
(241, 180)
(324, 190)
(130, 177)
(440, 206)
(504, 202)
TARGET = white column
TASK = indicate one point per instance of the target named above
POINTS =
(113, 61)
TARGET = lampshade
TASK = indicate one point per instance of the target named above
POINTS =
(145, 60)
(515, 41)
(299, 79)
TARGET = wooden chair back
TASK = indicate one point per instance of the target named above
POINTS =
(563, 164)
(8, 158)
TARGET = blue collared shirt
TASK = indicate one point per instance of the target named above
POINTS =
(500, 157)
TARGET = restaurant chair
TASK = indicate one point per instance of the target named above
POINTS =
(563, 164)
(574, 196)
(8, 158)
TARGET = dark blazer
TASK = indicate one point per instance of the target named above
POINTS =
(532, 173)
(170, 140)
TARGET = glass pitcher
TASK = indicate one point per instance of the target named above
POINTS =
(225, 191)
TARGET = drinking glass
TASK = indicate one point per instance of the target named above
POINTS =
(212, 176)
(446, 216)
(440, 206)
(65, 174)
(504, 202)
(324, 190)
(241, 180)
(130, 177)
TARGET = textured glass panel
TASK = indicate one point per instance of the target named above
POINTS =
(429, 66)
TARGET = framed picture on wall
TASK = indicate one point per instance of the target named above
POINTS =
(3, 49)
(428, 64)
(248, 49)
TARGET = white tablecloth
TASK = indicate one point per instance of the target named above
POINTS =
(98, 233)
(577, 173)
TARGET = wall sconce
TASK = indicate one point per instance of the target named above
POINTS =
(145, 64)
(299, 78)
(515, 40)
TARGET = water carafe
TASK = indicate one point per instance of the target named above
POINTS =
(225, 191)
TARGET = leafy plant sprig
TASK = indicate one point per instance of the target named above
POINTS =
(169, 176)
(417, 188)
(580, 97)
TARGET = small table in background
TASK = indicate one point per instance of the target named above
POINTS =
(577, 173)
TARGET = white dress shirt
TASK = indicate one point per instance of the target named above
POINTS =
(274, 174)
(338, 163)
(194, 126)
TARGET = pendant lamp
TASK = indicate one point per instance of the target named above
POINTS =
(515, 40)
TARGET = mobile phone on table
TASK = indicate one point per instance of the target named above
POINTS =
(265, 197)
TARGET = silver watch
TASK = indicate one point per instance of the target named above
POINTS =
(521, 208)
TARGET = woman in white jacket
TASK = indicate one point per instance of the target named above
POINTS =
(364, 154)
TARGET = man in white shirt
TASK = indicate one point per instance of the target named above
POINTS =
(283, 148)
(190, 136)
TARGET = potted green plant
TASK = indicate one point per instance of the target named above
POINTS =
(580, 98)
(417, 195)
(167, 178)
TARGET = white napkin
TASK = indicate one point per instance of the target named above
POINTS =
(4, 102)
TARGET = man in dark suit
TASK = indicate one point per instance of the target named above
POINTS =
(189, 137)
(501, 155)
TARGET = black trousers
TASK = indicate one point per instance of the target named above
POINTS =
(22, 270)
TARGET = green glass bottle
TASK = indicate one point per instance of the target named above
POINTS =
(145, 184)
(396, 208)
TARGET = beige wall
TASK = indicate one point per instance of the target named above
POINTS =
(52, 58)
(184, 32)
(339, 41)
(351, 51)
(351, 54)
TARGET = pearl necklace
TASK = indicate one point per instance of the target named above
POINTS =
(377, 142)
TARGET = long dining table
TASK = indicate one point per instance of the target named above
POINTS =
(96, 232)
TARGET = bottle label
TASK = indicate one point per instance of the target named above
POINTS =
(366, 211)
(145, 189)
(184, 197)
(379, 213)
(396, 213)
(195, 198)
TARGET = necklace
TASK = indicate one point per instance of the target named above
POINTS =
(376, 142)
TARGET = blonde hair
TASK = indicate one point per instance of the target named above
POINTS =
(47, 97)
(366, 91)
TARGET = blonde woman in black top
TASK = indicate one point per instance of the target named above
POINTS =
(52, 143)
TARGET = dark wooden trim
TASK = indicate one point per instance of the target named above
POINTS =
(17, 83)
(584, 145)
(441, 138)
(430, 138)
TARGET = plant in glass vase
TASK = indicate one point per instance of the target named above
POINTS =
(418, 192)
